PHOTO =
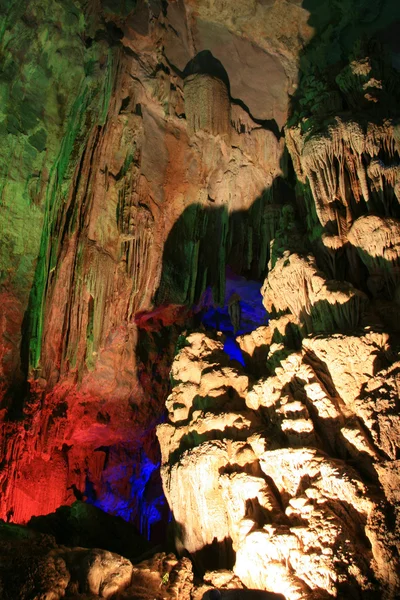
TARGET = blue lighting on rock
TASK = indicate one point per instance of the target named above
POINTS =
(133, 490)
(131, 485)
(252, 312)
(232, 349)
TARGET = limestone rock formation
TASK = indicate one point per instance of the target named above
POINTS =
(52, 572)
(161, 577)
(207, 105)
(295, 483)
(84, 525)
(154, 155)
(116, 205)
(376, 240)
(344, 172)
(296, 284)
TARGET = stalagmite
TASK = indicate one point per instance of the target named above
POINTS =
(284, 495)
(207, 105)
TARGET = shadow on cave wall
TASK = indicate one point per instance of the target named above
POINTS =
(204, 63)
(347, 30)
(203, 242)
(207, 239)
(217, 555)
(349, 69)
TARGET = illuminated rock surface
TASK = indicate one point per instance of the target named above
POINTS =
(284, 478)
(161, 162)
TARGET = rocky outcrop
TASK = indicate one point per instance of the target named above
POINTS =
(161, 577)
(376, 241)
(48, 571)
(286, 476)
(347, 167)
(51, 572)
(207, 105)
(84, 525)
(296, 284)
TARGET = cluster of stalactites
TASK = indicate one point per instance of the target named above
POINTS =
(351, 170)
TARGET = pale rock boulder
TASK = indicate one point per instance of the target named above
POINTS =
(256, 345)
(206, 433)
(98, 572)
(107, 573)
(33, 566)
(162, 577)
(377, 241)
(351, 360)
(315, 539)
(207, 399)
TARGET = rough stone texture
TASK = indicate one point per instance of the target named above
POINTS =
(296, 284)
(142, 154)
(296, 484)
(52, 572)
(207, 105)
(32, 565)
(115, 229)
(344, 172)
(377, 242)
(162, 577)
(86, 526)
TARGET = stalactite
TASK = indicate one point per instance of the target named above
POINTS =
(240, 120)
(99, 284)
(366, 158)
(135, 225)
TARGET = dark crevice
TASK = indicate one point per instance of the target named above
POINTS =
(173, 67)
(124, 104)
(133, 54)
(164, 7)
(112, 34)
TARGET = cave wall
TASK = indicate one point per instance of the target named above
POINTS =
(147, 146)
(101, 174)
